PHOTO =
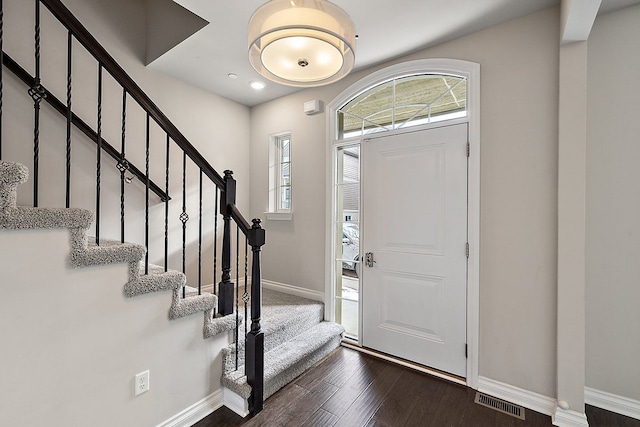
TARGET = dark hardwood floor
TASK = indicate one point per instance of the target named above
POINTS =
(350, 389)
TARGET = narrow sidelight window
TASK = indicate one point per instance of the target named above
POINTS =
(280, 175)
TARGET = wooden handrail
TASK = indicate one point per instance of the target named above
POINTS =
(85, 38)
(29, 80)
(239, 219)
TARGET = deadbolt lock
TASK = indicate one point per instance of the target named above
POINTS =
(368, 259)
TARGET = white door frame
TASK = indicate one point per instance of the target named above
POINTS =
(471, 70)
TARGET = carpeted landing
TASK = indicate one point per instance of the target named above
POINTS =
(295, 338)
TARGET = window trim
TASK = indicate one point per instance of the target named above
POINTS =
(275, 212)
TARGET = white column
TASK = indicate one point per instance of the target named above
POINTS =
(577, 17)
(572, 141)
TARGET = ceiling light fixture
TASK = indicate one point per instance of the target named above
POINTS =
(257, 85)
(301, 42)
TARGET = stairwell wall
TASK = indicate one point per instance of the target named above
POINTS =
(74, 342)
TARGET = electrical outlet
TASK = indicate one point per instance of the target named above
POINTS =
(142, 382)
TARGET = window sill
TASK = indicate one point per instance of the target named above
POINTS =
(279, 216)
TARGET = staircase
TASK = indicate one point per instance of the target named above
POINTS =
(86, 254)
(284, 334)
(296, 337)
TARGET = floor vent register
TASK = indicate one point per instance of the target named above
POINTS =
(499, 405)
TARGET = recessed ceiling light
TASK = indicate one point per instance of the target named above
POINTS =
(257, 85)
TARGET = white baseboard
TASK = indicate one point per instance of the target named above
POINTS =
(235, 402)
(294, 290)
(195, 412)
(568, 418)
(612, 402)
(529, 399)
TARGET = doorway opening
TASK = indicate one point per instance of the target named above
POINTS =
(406, 98)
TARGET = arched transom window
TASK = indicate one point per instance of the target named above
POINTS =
(403, 102)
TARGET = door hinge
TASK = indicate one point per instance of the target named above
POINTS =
(468, 149)
(466, 351)
(466, 251)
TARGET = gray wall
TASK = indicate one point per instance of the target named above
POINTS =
(519, 121)
(613, 203)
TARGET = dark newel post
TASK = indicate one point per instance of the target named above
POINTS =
(226, 286)
(254, 350)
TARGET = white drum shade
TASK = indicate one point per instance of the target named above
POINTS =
(301, 42)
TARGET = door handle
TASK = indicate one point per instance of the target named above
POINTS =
(368, 259)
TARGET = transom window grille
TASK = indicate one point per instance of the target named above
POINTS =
(403, 102)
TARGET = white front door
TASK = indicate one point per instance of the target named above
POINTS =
(415, 225)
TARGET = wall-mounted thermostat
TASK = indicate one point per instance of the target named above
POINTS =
(312, 107)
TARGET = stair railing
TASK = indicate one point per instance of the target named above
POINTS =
(224, 190)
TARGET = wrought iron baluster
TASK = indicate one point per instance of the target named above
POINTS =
(237, 265)
(237, 292)
(245, 295)
(146, 201)
(37, 93)
(166, 210)
(123, 164)
(184, 217)
(200, 239)
(215, 242)
(69, 117)
(99, 154)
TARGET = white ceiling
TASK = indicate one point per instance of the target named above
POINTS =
(386, 29)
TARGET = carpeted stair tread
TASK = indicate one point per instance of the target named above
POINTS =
(284, 316)
(288, 360)
(182, 307)
(156, 269)
(23, 217)
(192, 302)
(214, 325)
